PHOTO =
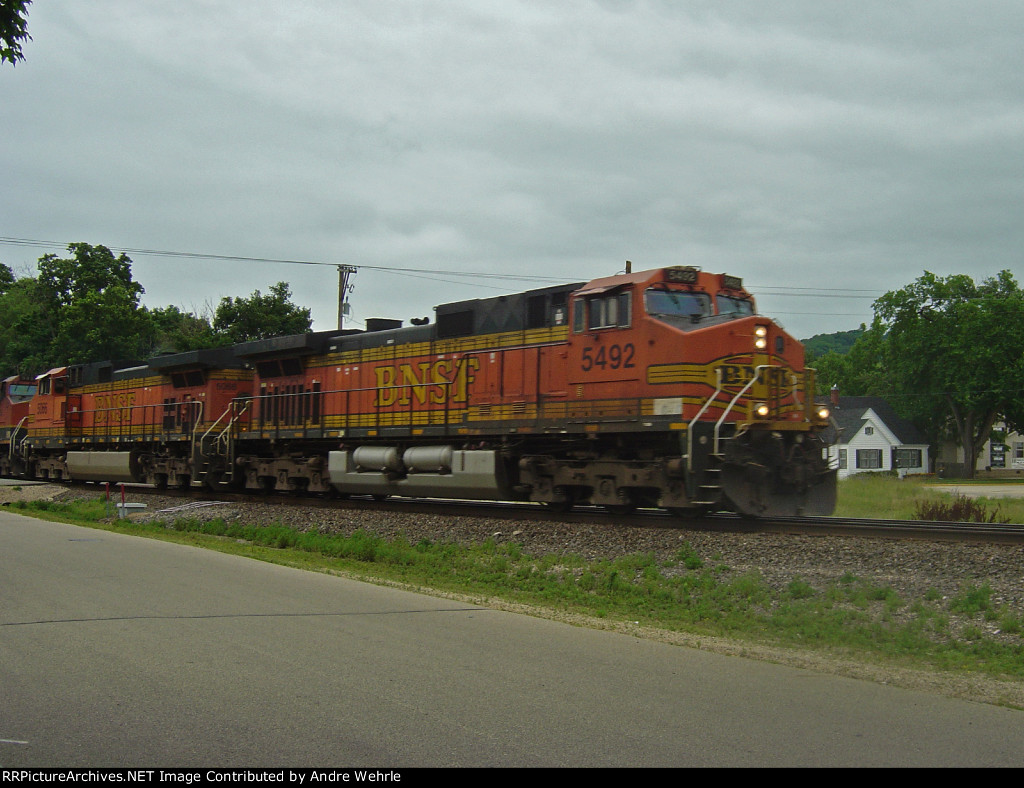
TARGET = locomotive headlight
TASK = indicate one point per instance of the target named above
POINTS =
(761, 409)
(823, 413)
(761, 337)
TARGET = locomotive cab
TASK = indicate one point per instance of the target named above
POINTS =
(718, 392)
(16, 393)
(50, 406)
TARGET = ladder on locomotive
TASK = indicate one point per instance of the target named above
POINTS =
(709, 491)
(215, 451)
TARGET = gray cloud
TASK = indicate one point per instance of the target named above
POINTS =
(798, 144)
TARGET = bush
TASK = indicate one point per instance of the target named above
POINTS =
(961, 510)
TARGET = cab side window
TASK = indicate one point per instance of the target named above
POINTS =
(602, 311)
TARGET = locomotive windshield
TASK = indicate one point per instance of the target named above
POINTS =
(677, 304)
(730, 305)
(19, 392)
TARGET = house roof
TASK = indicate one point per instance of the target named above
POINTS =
(851, 411)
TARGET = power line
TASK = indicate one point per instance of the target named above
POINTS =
(767, 290)
(28, 242)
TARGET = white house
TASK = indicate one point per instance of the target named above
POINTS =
(873, 438)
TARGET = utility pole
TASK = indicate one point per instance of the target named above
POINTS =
(344, 288)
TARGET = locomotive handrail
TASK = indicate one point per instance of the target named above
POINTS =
(202, 441)
(14, 440)
(231, 422)
(810, 383)
(196, 424)
(732, 404)
(712, 398)
(225, 436)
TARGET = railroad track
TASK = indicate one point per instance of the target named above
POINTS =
(727, 523)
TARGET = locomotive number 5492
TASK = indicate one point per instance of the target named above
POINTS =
(614, 357)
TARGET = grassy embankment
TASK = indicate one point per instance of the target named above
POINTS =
(850, 616)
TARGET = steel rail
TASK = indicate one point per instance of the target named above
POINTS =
(1008, 533)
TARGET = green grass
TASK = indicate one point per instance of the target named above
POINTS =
(688, 593)
(871, 495)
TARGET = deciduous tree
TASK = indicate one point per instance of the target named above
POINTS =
(24, 334)
(13, 29)
(91, 304)
(954, 351)
(261, 316)
(178, 331)
(6, 279)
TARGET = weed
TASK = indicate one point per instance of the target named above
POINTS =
(799, 589)
(962, 509)
(1011, 624)
(972, 600)
(688, 557)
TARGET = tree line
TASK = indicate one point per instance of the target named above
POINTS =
(946, 352)
(948, 355)
(85, 307)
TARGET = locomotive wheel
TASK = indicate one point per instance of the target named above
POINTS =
(627, 503)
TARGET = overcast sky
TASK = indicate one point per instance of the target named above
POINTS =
(844, 147)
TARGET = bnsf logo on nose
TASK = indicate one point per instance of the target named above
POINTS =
(741, 374)
(426, 381)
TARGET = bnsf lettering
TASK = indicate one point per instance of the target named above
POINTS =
(123, 400)
(425, 381)
(735, 375)
(110, 407)
(740, 375)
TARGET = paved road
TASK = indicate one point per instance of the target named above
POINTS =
(987, 490)
(122, 651)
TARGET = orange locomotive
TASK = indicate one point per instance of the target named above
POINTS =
(123, 421)
(656, 389)
(16, 393)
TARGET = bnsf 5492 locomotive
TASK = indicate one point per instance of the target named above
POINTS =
(656, 389)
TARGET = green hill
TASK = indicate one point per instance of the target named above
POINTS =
(840, 342)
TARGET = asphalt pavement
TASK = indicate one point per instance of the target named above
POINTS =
(129, 652)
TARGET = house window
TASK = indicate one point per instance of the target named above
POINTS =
(842, 458)
(908, 458)
(869, 430)
(1018, 451)
(869, 459)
